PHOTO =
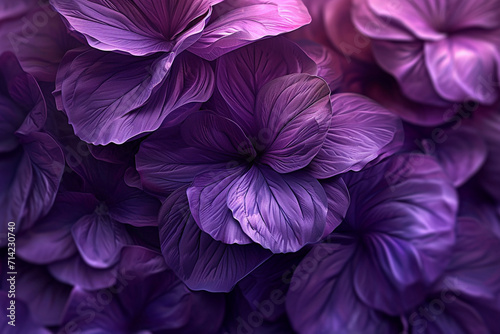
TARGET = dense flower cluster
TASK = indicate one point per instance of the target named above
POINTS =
(250, 166)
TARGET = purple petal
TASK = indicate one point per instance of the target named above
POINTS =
(141, 27)
(208, 196)
(133, 206)
(280, 212)
(407, 63)
(50, 239)
(361, 131)
(200, 261)
(406, 208)
(325, 273)
(241, 22)
(75, 271)
(172, 157)
(458, 66)
(296, 112)
(461, 154)
(242, 73)
(338, 203)
(99, 239)
(46, 297)
(110, 97)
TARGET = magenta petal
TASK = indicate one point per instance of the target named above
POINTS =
(200, 261)
(242, 22)
(100, 240)
(111, 98)
(208, 197)
(296, 112)
(280, 212)
(458, 65)
(361, 131)
(242, 73)
(141, 27)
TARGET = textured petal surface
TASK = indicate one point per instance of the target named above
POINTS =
(200, 261)
(360, 131)
(296, 111)
(335, 307)
(208, 196)
(99, 240)
(139, 27)
(242, 73)
(280, 212)
(110, 97)
(241, 22)
(173, 156)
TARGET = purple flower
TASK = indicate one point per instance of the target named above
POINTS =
(31, 162)
(252, 165)
(113, 97)
(82, 237)
(394, 244)
(148, 298)
(438, 50)
(27, 325)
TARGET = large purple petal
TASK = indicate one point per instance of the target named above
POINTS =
(406, 208)
(99, 239)
(361, 131)
(111, 98)
(139, 27)
(459, 65)
(208, 196)
(50, 239)
(296, 112)
(280, 212)
(338, 203)
(242, 73)
(173, 156)
(241, 22)
(325, 273)
(200, 261)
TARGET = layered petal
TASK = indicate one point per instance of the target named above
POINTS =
(280, 212)
(99, 240)
(140, 27)
(208, 196)
(459, 67)
(200, 261)
(326, 273)
(361, 131)
(173, 156)
(241, 22)
(296, 112)
(112, 98)
(242, 73)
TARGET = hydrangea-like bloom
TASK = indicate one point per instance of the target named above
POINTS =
(114, 97)
(396, 240)
(253, 163)
(31, 162)
(438, 50)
